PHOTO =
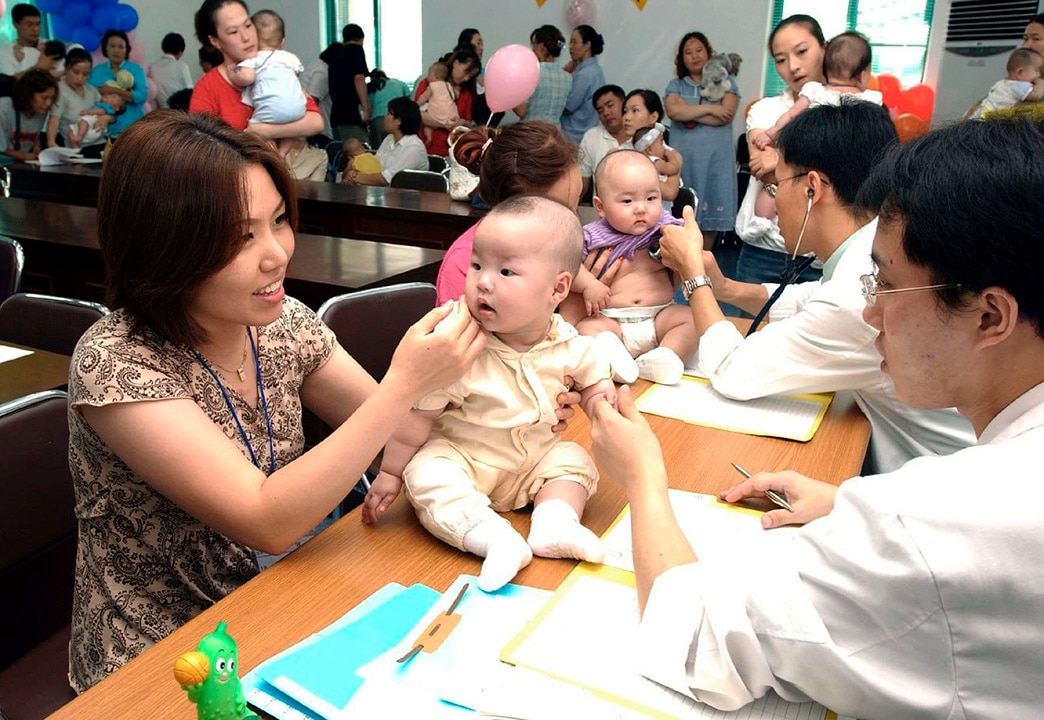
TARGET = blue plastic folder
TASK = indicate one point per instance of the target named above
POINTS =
(317, 678)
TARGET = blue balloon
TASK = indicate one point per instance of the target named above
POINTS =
(60, 30)
(105, 18)
(104, 3)
(128, 17)
(53, 7)
(87, 36)
(76, 13)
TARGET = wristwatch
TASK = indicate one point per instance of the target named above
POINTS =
(689, 286)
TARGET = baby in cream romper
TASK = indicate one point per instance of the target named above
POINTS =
(484, 444)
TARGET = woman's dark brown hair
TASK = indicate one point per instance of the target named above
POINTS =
(679, 59)
(32, 82)
(172, 209)
(523, 158)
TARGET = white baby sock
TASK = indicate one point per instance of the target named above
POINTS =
(612, 348)
(504, 549)
(556, 532)
(660, 365)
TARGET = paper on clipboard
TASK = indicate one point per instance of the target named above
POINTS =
(587, 634)
(703, 519)
(693, 400)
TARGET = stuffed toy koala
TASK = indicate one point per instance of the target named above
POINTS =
(716, 75)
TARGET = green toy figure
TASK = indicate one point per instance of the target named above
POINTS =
(209, 677)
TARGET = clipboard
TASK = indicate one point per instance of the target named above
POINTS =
(575, 640)
(694, 400)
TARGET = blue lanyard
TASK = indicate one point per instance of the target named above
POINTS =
(232, 409)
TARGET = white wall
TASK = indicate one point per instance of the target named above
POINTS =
(156, 18)
(639, 45)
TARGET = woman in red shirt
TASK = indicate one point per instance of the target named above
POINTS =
(226, 25)
(464, 67)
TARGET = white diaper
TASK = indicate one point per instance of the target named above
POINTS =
(637, 325)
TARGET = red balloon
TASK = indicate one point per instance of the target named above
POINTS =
(909, 126)
(917, 100)
(890, 88)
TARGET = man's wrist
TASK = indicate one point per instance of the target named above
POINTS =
(694, 283)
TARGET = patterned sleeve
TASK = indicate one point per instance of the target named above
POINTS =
(314, 340)
(110, 366)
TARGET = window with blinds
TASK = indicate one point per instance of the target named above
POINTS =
(898, 32)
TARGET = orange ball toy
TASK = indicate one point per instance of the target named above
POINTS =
(192, 668)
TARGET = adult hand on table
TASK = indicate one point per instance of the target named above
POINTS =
(810, 498)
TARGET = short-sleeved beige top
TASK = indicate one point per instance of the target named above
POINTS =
(143, 566)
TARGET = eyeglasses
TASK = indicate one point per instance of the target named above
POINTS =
(871, 291)
(773, 188)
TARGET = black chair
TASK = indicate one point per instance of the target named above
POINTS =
(46, 322)
(420, 180)
(336, 160)
(437, 163)
(12, 260)
(369, 325)
(685, 196)
(742, 166)
(37, 555)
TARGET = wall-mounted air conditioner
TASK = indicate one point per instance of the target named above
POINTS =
(980, 34)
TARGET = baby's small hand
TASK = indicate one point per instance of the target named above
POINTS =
(596, 297)
(381, 495)
(762, 141)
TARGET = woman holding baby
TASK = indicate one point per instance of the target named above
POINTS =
(701, 131)
(227, 26)
(797, 46)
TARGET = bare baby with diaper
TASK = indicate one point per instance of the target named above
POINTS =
(622, 293)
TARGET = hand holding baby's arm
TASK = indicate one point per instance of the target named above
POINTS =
(397, 454)
(604, 388)
(762, 140)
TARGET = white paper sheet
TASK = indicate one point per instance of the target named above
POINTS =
(695, 401)
(12, 353)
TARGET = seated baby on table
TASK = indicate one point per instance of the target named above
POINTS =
(84, 131)
(621, 292)
(485, 445)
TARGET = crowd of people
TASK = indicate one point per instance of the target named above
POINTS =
(911, 591)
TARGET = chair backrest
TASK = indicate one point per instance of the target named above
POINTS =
(370, 323)
(37, 522)
(436, 163)
(46, 322)
(12, 260)
(742, 165)
(336, 160)
(685, 196)
(420, 180)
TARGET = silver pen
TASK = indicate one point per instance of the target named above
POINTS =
(770, 494)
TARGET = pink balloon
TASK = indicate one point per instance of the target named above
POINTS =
(152, 90)
(3, 7)
(579, 12)
(98, 58)
(137, 52)
(512, 75)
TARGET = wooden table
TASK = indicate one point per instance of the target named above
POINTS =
(32, 373)
(409, 217)
(343, 565)
(392, 215)
(62, 256)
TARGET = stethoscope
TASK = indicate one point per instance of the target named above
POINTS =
(792, 269)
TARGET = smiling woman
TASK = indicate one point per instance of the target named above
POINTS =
(186, 446)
